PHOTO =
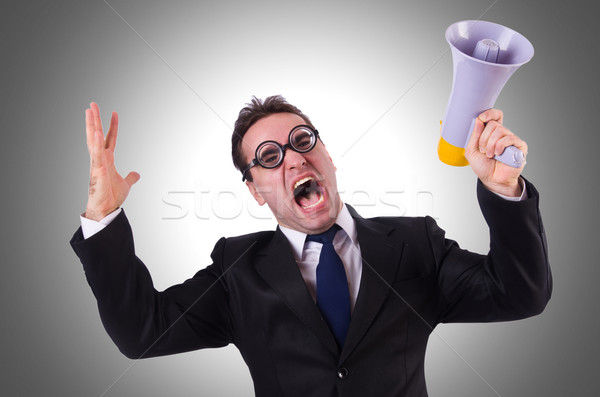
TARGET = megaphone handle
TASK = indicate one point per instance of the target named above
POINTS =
(512, 157)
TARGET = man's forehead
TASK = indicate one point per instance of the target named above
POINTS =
(275, 127)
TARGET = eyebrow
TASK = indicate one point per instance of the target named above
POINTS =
(269, 152)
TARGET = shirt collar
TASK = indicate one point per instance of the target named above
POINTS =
(297, 238)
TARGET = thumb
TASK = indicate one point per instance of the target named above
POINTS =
(132, 178)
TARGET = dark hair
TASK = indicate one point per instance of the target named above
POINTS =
(254, 111)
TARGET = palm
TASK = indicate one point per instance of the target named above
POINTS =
(492, 171)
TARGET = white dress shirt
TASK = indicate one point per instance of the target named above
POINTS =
(346, 245)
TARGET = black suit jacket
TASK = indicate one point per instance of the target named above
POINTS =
(254, 296)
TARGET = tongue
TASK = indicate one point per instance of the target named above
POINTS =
(308, 199)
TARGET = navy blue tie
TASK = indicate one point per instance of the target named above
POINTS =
(333, 298)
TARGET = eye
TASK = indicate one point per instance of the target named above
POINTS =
(270, 159)
(269, 155)
(302, 139)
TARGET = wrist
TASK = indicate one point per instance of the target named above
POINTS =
(97, 215)
(511, 189)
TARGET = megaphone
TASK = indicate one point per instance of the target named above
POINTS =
(484, 55)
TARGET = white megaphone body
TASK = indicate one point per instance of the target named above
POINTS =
(485, 55)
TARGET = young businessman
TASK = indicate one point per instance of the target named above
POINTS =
(329, 303)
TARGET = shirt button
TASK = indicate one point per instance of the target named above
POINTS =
(342, 373)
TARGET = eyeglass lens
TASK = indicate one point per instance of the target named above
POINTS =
(270, 154)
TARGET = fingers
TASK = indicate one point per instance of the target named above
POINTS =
(510, 140)
(95, 134)
(96, 125)
(98, 131)
(492, 121)
(490, 137)
(111, 135)
(491, 114)
(89, 129)
(95, 139)
(132, 178)
(96, 112)
(495, 138)
(492, 132)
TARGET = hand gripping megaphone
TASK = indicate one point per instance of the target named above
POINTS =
(484, 55)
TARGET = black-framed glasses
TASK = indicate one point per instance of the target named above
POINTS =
(270, 154)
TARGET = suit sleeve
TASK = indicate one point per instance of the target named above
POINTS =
(140, 320)
(512, 281)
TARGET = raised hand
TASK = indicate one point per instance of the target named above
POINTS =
(488, 139)
(108, 189)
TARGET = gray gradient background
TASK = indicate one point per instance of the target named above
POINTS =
(381, 67)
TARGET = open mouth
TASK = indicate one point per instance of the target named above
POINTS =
(308, 193)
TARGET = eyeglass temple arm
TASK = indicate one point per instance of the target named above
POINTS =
(252, 164)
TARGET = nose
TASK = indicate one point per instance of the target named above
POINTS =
(294, 160)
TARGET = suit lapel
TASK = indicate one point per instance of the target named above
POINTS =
(380, 258)
(381, 255)
(277, 266)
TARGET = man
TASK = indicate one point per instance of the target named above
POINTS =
(264, 292)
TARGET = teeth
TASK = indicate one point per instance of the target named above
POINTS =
(321, 198)
(303, 180)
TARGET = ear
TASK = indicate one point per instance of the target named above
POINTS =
(255, 193)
